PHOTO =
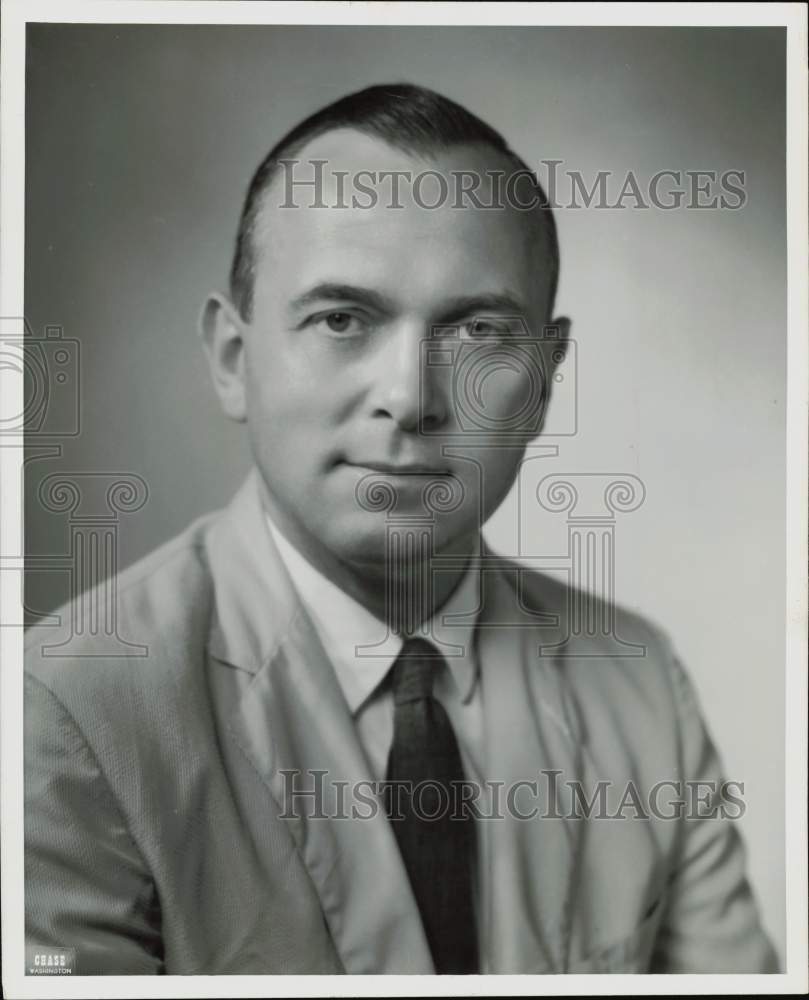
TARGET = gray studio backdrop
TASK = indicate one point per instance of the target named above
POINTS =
(140, 141)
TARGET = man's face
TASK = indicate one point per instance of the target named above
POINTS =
(340, 383)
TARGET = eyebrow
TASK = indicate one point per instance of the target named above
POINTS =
(342, 293)
(503, 303)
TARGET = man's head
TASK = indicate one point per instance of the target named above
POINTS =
(355, 297)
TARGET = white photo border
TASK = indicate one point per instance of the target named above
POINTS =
(16, 14)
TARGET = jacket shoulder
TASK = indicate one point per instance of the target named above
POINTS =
(582, 613)
(148, 619)
(603, 649)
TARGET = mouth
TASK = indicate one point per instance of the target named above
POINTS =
(400, 469)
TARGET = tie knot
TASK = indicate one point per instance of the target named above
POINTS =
(414, 671)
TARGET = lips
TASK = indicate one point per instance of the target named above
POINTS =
(400, 469)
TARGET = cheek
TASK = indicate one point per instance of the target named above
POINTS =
(499, 391)
(298, 376)
(282, 422)
(513, 392)
(281, 389)
(500, 471)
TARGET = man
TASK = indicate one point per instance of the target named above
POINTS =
(328, 760)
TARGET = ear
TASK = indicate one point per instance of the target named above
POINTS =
(221, 330)
(556, 335)
(554, 344)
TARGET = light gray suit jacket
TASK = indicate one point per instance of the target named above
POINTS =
(159, 838)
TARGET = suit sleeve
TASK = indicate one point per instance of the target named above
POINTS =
(87, 886)
(711, 921)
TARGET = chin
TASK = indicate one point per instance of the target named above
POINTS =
(360, 544)
(365, 538)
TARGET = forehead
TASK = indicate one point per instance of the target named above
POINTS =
(355, 209)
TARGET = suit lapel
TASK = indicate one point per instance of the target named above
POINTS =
(293, 725)
(530, 733)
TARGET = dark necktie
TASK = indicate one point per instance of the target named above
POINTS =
(438, 852)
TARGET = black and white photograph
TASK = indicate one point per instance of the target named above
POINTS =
(403, 549)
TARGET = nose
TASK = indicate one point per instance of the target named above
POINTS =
(407, 388)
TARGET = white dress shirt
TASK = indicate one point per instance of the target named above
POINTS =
(362, 651)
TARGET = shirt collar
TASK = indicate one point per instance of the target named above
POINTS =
(355, 639)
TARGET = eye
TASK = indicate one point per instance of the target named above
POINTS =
(338, 322)
(483, 328)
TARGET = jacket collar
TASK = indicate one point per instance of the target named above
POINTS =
(254, 602)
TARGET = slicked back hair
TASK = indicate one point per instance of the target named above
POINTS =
(410, 118)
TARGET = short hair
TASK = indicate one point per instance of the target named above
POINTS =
(408, 117)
